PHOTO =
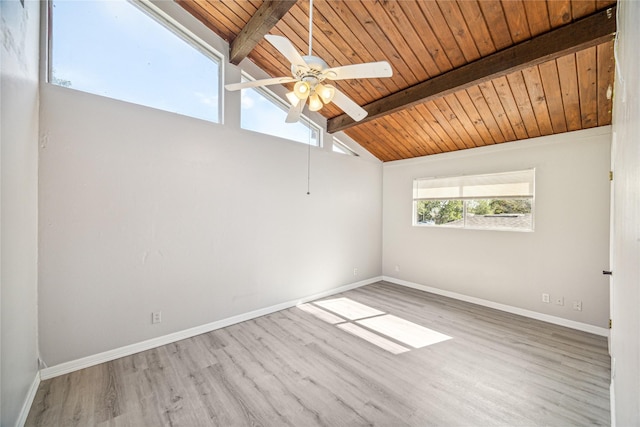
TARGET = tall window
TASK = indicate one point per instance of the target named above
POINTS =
(125, 51)
(262, 111)
(500, 201)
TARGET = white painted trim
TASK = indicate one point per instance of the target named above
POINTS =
(26, 406)
(612, 393)
(96, 359)
(503, 307)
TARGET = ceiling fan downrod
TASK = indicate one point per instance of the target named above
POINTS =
(310, 25)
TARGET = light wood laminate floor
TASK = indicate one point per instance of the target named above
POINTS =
(295, 368)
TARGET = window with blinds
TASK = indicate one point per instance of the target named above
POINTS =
(499, 201)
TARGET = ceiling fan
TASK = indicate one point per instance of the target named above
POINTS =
(310, 73)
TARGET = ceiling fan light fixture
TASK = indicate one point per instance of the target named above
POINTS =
(326, 92)
(314, 102)
(302, 89)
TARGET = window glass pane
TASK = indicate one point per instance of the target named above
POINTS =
(440, 212)
(341, 147)
(499, 206)
(501, 201)
(499, 214)
(114, 49)
(265, 115)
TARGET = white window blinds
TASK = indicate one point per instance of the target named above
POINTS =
(518, 184)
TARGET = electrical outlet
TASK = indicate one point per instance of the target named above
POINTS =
(355, 271)
(397, 268)
(577, 305)
(560, 301)
(156, 317)
(546, 298)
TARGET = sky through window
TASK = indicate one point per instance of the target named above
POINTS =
(114, 49)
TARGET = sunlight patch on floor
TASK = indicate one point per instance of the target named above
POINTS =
(387, 331)
(321, 314)
(348, 308)
(403, 330)
(373, 338)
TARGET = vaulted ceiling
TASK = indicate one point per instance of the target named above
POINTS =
(467, 73)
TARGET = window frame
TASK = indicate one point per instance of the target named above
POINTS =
(281, 104)
(170, 24)
(342, 148)
(465, 200)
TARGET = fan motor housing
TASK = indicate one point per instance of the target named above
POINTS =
(313, 71)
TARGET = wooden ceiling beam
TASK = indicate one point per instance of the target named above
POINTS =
(587, 32)
(265, 18)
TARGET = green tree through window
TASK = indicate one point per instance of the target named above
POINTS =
(439, 212)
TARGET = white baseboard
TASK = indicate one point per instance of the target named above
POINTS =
(96, 359)
(503, 307)
(28, 401)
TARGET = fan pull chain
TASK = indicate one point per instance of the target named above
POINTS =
(309, 162)
(310, 25)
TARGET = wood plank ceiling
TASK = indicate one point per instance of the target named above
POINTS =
(423, 39)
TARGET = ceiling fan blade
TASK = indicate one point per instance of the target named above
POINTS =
(367, 70)
(295, 111)
(287, 49)
(347, 105)
(256, 83)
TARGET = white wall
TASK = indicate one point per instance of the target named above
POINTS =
(18, 230)
(564, 256)
(625, 335)
(142, 210)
